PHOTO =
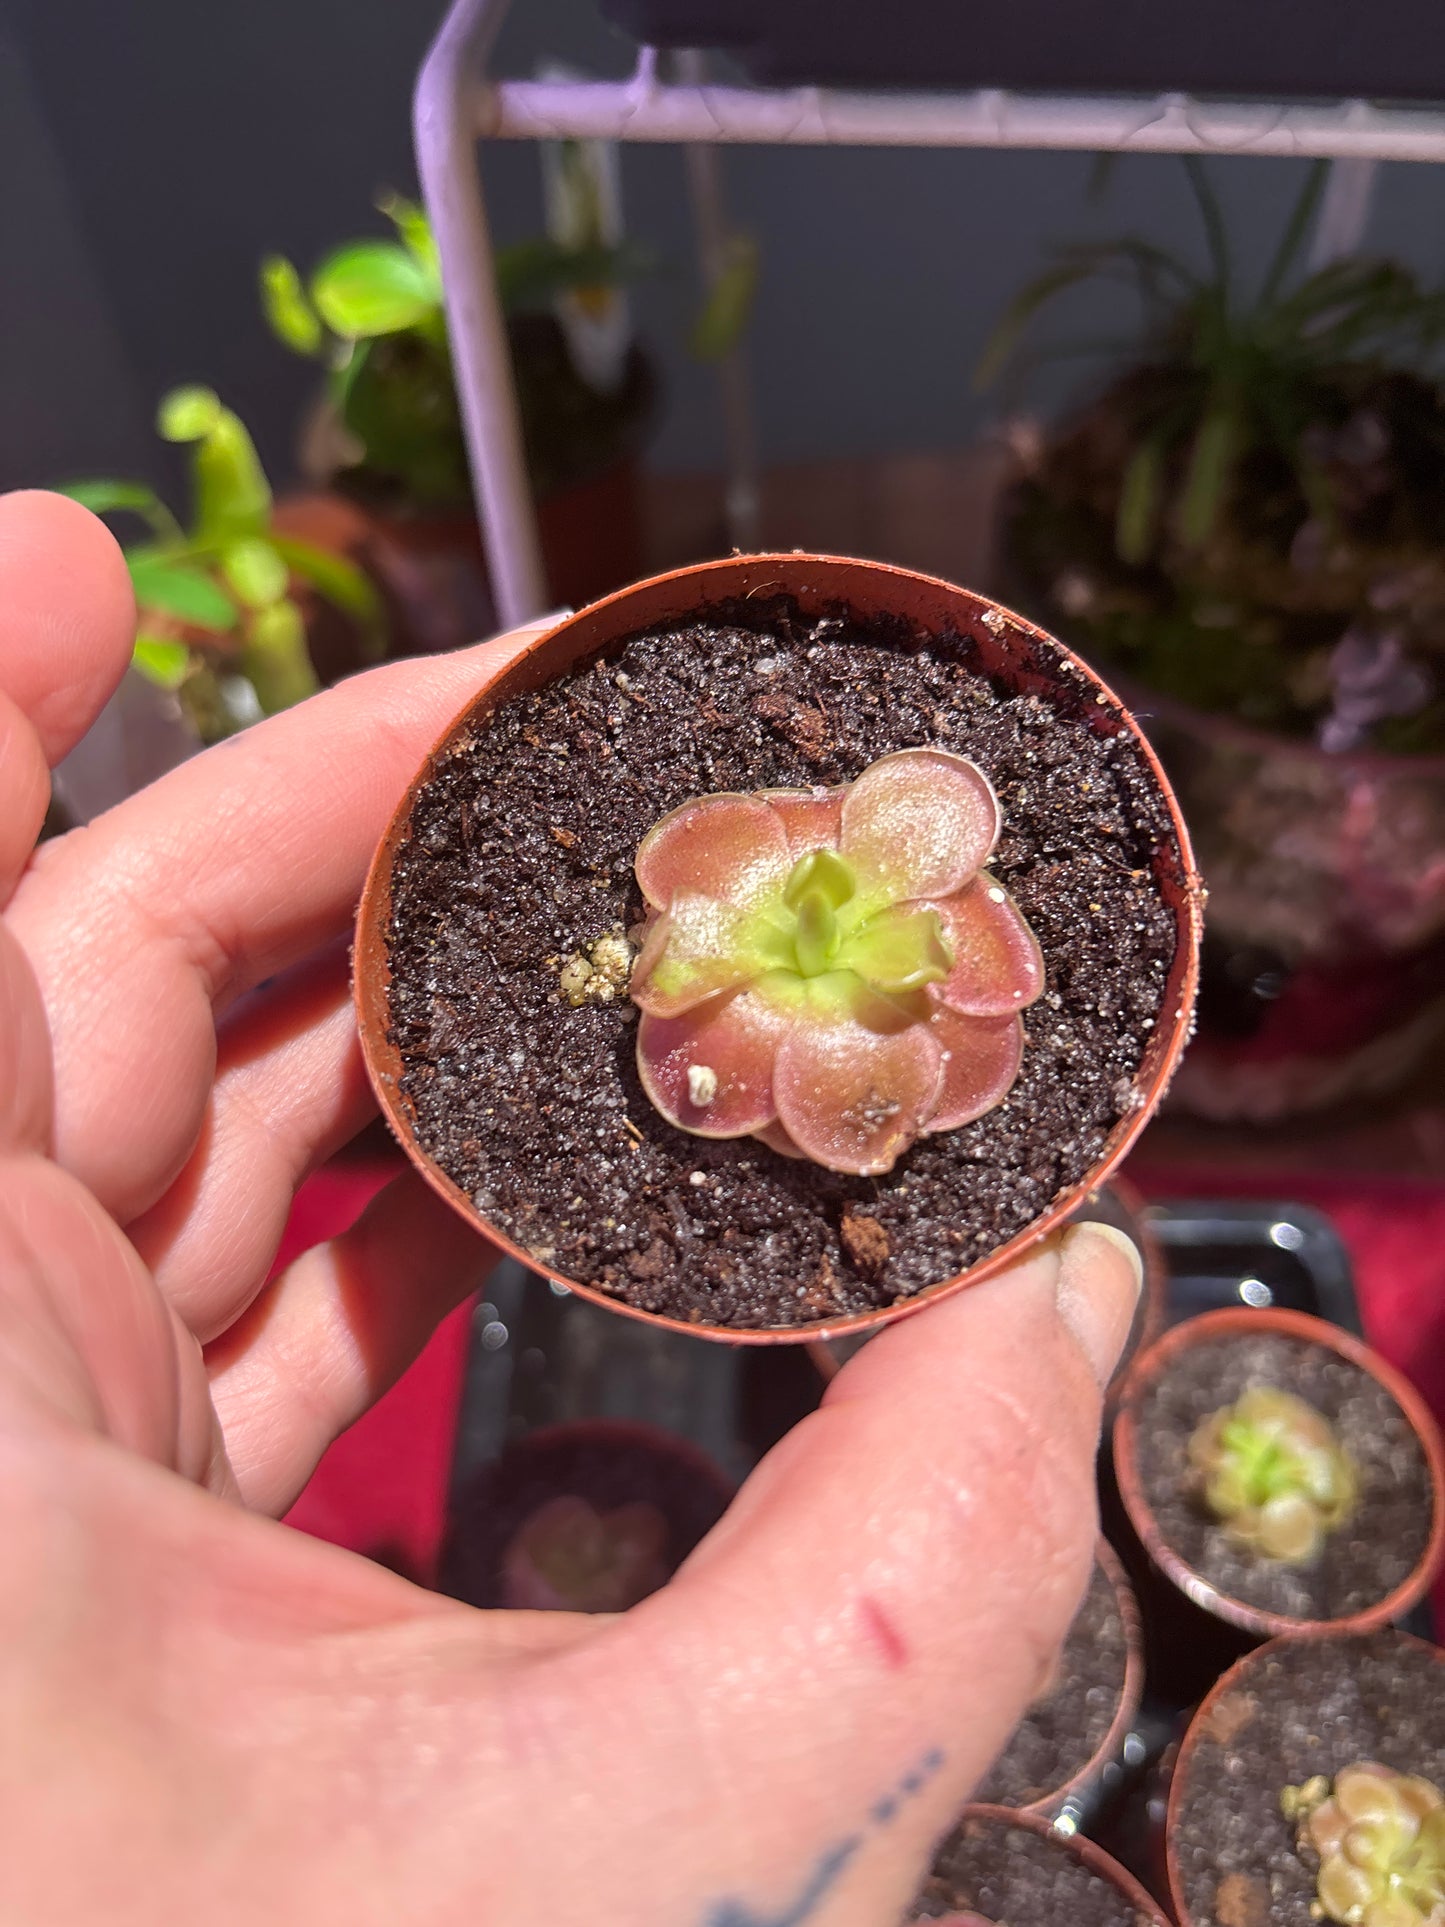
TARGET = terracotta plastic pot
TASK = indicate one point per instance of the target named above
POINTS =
(1255, 1622)
(1020, 656)
(1212, 1720)
(1075, 1847)
(1085, 1792)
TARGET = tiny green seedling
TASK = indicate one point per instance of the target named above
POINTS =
(1271, 1470)
(1379, 1840)
(833, 972)
(218, 621)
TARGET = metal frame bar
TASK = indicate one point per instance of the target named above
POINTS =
(456, 106)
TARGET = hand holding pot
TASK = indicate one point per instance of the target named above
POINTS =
(253, 1724)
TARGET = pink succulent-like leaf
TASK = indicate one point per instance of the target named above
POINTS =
(981, 1058)
(698, 948)
(997, 964)
(919, 824)
(777, 1139)
(731, 848)
(811, 819)
(853, 1093)
(729, 1042)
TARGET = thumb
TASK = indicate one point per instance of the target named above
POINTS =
(857, 1641)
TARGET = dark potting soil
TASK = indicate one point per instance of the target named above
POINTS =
(521, 852)
(1063, 1731)
(1015, 1878)
(1365, 1558)
(1300, 1708)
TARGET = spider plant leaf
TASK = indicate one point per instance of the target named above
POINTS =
(1300, 220)
(1212, 215)
(1210, 470)
(1009, 328)
(1139, 501)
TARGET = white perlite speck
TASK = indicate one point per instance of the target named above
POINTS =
(701, 1084)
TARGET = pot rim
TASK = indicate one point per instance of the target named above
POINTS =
(1198, 1719)
(1261, 1623)
(588, 633)
(1079, 1845)
(1131, 1690)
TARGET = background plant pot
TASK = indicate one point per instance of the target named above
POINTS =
(1074, 1854)
(1084, 1793)
(1323, 974)
(1019, 656)
(1195, 1596)
(431, 571)
(1117, 1203)
(1235, 1719)
(606, 1463)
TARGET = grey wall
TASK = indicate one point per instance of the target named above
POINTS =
(152, 151)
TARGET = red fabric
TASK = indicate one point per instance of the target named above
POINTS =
(1394, 1230)
(381, 1488)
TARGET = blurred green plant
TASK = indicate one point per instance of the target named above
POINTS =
(1247, 368)
(372, 313)
(218, 622)
(1261, 480)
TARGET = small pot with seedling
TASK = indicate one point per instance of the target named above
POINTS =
(1281, 1477)
(589, 1516)
(1310, 1789)
(778, 943)
(998, 1867)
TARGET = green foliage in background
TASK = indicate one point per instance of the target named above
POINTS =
(1265, 466)
(214, 596)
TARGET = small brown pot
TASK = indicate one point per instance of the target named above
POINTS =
(1074, 1847)
(1085, 1792)
(1254, 1622)
(1020, 656)
(1227, 1713)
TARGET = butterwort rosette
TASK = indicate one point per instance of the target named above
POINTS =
(833, 971)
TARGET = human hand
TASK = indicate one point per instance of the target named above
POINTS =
(210, 1716)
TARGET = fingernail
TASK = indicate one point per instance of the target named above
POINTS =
(1100, 1277)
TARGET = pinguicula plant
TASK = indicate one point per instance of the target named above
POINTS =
(833, 971)
(1379, 1839)
(218, 620)
(1271, 1469)
(569, 1557)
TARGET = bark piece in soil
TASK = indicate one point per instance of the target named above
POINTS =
(1061, 1733)
(1017, 1878)
(520, 853)
(1299, 1707)
(1363, 1560)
